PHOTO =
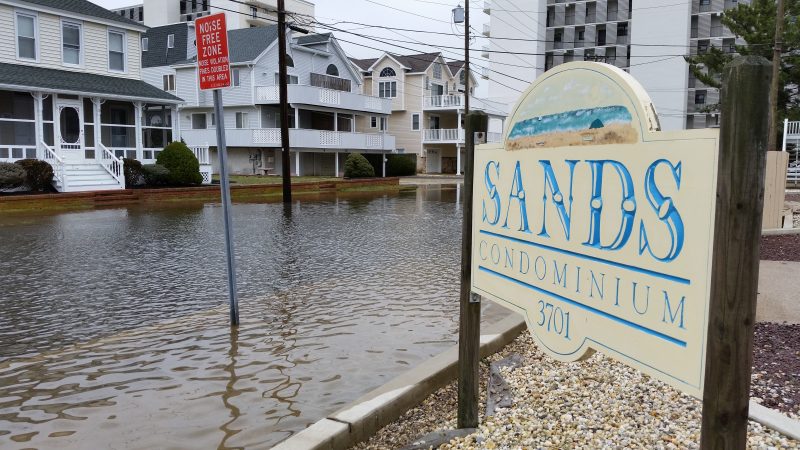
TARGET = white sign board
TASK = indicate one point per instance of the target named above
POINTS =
(598, 227)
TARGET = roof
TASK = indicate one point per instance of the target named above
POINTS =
(419, 62)
(84, 7)
(312, 39)
(455, 66)
(30, 77)
(158, 54)
(246, 44)
(363, 64)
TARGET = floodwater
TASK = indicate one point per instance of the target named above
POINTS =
(114, 329)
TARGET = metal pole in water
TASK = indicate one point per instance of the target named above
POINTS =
(225, 187)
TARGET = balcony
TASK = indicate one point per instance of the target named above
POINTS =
(487, 7)
(317, 96)
(456, 101)
(451, 101)
(443, 135)
(330, 82)
(321, 140)
(486, 30)
(485, 51)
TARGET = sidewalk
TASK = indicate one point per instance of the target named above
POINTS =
(779, 292)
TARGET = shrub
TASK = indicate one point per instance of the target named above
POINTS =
(400, 166)
(155, 175)
(134, 176)
(11, 175)
(39, 174)
(357, 166)
(181, 163)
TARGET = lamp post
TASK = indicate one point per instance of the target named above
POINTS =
(461, 15)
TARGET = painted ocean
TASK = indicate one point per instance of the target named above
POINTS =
(591, 126)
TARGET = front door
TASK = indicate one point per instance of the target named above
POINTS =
(434, 161)
(69, 130)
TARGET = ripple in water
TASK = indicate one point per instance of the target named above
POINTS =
(114, 329)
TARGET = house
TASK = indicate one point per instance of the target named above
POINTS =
(325, 97)
(238, 14)
(71, 93)
(427, 107)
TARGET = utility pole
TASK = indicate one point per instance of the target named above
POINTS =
(284, 97)
(772, 141)
(466, 58)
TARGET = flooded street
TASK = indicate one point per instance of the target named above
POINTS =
(114, 332)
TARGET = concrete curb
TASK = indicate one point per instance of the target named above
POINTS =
(780, 231)
(774, 420)
(364, 417)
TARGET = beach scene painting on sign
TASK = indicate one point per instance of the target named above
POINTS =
(597, 226)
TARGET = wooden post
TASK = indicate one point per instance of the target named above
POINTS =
(469, 328)
(284, 101)
(734, 277)
(780, 17)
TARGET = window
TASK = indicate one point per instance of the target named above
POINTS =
(622, 29)
(26, 36)
(18, 125)
(71, 43)
(241, 120)
(462, 77)
(388, 72)
(199, 121)
(581, 35)
(289, 61)
(145, 44)
(171, 41)
(169, 83)
(332, 70)
(373, 122)
(384, 123)
(558, 35)
(213, 120)
(705, 2)
(156, 129)
(290, 79)
(237, 77)
(415, 121)
(387, 89)
(700, 97)
(254, 12)
(437, 71)
(116, 51)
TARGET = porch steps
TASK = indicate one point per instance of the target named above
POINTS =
(88, 177)
(116, 198)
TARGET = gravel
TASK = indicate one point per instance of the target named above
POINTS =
(597, 403)
(775, 381)
(785, 247)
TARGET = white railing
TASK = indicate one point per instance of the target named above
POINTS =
(267, 136)
(443, 135)
(112, 164)
(792, 127)
(11, 153)
(201, 153)
(267, 94)
(314, 95)
(444, 101)
(57, 163)
(494, 137)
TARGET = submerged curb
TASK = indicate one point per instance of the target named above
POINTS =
(775, 420)
(780, 231)
(364, 417)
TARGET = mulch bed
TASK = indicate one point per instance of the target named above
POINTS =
(776, 366)
(784, 247)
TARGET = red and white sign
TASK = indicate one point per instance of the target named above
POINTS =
(213, 66)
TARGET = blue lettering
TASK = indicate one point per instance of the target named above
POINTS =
(558, 198)
(562, 278)
(628, 205)
(518, 193)
(666, 210)
(493, 194)
(600, 286)
(668, 310)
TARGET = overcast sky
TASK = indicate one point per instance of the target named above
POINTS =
(429, 15)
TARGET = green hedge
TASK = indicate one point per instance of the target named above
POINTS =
(39, 174)
(11, 175)
(134, 176)
(184, 169)
(155, 175)
(357, 166)
(400, 166)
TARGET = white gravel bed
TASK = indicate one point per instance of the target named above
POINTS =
(597, 403)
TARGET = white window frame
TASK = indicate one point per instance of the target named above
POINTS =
(373, 122)
(383, 90)
(124, 50)
(80, 42)
(418, 116)
(191, 118)
(145, 44)
(169, 82)
(437, 71)
(35, 18)
(289, 76)
(170, 41)
(242, 119)
(236, 74)
(384, 123)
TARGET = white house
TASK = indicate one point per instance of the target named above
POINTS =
(71, 93)
(325, 96)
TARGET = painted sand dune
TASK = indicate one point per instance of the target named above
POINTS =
(592, 126)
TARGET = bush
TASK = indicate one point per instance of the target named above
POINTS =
(39, 174)
(181, 163)
(357, 166)
(400, 166)
(133, 172)
(155, 175)
(11, 175)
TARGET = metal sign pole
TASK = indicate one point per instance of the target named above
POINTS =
(225, 187)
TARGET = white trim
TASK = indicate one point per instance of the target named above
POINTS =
(393, 80)
(236, 75)
(145, 44)
(172, 38)
(371, 119)
(419, 121)
(81, 43)
(35, 17)
(13, 87)
(386, 55)
(124, 50)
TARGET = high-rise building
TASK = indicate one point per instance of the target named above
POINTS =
(647, 38)
(239, 14)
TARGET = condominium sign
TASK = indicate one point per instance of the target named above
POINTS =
(597, 226)
(213, 65)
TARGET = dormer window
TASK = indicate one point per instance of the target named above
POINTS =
(26, 36)
(388, 72)
(116, 51)
(463, 77)
(71, 43)
(171, 41)
(437, 71)
(332, 70)
(145, 44)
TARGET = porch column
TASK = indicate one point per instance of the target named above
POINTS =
(176, 123)
(336, 163)
(335, 121)
(458, 159)
(138, 108)
(98, 134)
(383, 164)
(38, 115)
(296, 118)
(297, 164)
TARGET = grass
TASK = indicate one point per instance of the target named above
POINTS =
(255, 179)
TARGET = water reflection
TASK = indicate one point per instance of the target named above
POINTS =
(115, 333)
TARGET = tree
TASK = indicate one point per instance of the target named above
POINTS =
(755, 24)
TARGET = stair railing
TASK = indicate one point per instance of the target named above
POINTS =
(112, 164)
(59, 172)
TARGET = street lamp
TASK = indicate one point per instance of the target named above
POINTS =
(461, 15)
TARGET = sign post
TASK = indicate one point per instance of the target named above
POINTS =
(214, 73)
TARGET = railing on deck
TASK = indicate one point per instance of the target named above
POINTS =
(444, 101)
(791, 144)
(57, 163)
(11, 153)
(112, 164)
(443, 135)
(201, 153)
(330, 82)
